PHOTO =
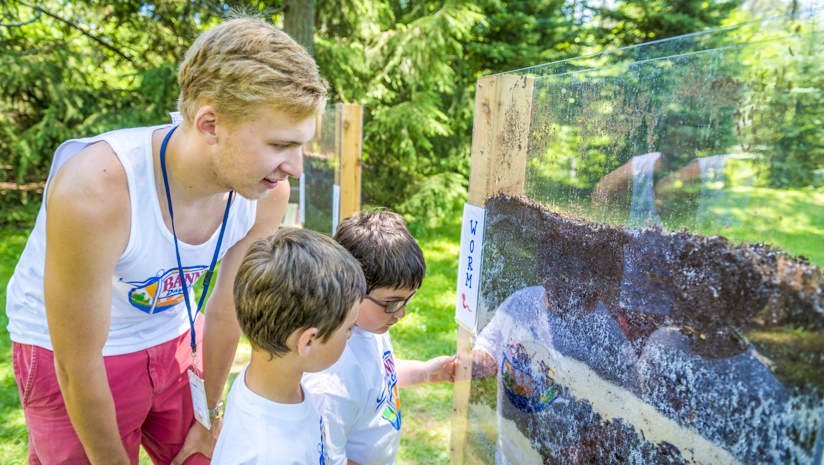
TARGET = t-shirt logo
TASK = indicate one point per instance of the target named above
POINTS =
(528, 381)
(389, 396)
(324, 459)
(164, 291)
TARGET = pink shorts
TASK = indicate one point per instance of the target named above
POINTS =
(151, 397)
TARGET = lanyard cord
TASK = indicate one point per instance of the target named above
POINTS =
(207, 278)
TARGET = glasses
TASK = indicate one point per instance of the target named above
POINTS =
(394, 306)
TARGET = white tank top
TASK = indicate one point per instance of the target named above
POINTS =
(147, 297)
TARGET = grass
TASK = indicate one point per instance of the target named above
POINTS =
(14, 436)
(429, 330)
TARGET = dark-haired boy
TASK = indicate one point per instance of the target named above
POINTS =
(358, 395)
(297, 295)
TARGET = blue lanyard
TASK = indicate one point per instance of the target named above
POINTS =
(207, 277)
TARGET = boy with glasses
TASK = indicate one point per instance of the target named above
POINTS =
(358, 395)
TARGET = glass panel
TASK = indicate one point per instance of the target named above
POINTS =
(321, 162)
(657, 298)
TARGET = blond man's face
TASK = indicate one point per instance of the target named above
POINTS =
(255, 155)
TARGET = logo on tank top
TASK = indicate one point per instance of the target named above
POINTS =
(529, 382)
(389, 396)
(164, 291)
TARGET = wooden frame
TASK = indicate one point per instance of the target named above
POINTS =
(500, 142)
(350, 128)
(348, 148)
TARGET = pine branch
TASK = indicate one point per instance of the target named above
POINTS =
(38, 50)
(82, 30)
(23, 23)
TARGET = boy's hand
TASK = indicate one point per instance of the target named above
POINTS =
(440, 369)
(415, 372)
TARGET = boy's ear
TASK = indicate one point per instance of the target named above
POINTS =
(307, 338)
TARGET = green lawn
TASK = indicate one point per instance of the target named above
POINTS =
(429, 330)
(13, 433)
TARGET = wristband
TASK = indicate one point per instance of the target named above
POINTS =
(216, 412)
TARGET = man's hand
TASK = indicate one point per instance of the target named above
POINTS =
(199, 439)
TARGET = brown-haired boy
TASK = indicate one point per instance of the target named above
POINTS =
(358, 395)
(297, 295)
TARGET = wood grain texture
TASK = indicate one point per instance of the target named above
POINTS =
(351, 152)
(500, 143)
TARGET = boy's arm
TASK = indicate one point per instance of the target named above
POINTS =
(436, 370)
(221, 331)
(86, 232)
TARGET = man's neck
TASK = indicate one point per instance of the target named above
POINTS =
(277, 379)
(188, 166)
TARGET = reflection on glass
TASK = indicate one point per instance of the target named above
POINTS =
(719, 132)
(638, 345)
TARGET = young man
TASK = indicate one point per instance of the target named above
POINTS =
(358, 396)
(297, 295)
(102, 339)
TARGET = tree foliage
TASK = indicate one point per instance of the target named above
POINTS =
(75, 69)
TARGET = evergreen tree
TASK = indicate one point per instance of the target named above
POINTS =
(73, 69)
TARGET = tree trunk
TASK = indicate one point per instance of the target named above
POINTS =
(299, 22)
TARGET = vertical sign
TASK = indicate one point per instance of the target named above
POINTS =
(335, 208)
(469, 266)
(302, 201)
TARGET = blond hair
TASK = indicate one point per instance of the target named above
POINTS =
(243, 63)
(295, 279)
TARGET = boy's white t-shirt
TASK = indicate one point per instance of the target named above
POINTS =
(358, 398)
(259, 431)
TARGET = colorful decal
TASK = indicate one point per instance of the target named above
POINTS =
(528, 381)
(164, 291)
(389, 396)
(324, 459)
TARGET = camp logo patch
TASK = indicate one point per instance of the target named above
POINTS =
(389, 396)
(164, 291)
(529, 382)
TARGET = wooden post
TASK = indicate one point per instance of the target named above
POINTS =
(500, 142)
(351, 151)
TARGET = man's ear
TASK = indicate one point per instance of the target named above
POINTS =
(205, 123)
(307, 339)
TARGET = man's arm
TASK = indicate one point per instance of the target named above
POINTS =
(436, 370)
(221, 331)
(87, 230)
